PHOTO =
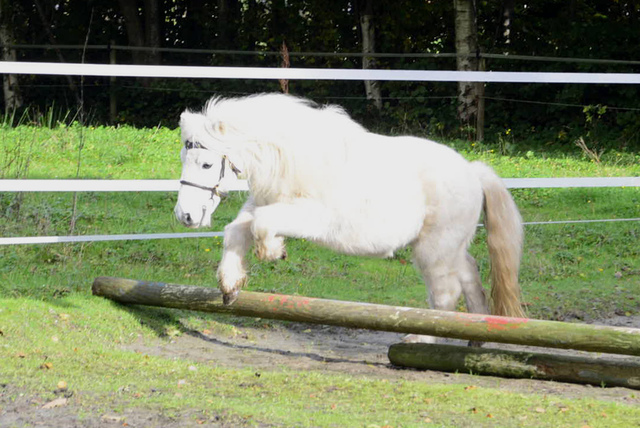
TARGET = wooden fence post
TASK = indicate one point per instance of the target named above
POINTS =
(113, 101)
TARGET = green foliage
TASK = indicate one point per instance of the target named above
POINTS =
(552, 113)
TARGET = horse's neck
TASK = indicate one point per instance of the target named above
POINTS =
(291, 169)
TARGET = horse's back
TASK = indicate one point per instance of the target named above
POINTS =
(390, 190)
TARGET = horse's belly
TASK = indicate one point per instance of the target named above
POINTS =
(374, 234)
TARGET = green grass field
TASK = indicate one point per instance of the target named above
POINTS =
(569, 272)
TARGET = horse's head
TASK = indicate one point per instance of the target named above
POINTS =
(203, 172)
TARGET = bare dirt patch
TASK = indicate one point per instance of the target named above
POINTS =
(306, 347)
(284, 346)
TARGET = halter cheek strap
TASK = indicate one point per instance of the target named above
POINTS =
(214, 190)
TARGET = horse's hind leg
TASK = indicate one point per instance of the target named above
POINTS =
(474, 294)
(441, 278)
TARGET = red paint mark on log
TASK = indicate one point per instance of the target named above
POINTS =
(288, 302)
(502, 323)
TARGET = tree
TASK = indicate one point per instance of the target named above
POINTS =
(367, 29)
(143, 33)
(228, 19)
(12, 98)
(466, 49)
(46, 23)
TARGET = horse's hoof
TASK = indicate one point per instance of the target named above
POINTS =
(418, 338)
(284, 255)
(229, 298)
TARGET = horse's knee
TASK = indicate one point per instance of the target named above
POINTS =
(270, 249)
(444, 292)
(443, 301)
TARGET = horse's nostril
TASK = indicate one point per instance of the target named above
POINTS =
(187, 218)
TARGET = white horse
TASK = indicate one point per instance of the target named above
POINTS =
(314, 173)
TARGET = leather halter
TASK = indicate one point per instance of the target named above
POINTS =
(214, 190)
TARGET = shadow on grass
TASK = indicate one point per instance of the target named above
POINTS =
(168, 322)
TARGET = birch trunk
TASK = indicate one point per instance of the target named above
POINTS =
(371, 87)
(12, 98)
(466, 48)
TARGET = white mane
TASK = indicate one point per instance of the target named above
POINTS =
(293, 140)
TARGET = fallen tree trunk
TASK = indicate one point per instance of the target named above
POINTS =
(477, 327)
(494, 362)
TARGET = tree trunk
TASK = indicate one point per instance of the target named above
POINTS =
(525, 365)
(486, 328)
(52, 40)
(152, 30)
(466, 50)
(228, 14)
(135, 32)
(367, 28)
(11, 89)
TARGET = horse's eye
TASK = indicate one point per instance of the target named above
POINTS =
(206, 165)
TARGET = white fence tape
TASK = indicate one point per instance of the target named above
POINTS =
(102, 185)
(150, 236)
(566, 182)
(121, 70)
(96, 238)
(240, 185)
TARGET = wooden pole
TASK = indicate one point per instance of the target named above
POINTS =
(596, 371)
(478, 327)
(481, 101)
(113, 101)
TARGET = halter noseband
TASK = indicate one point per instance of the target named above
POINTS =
(214, 190)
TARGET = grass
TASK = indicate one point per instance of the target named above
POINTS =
(45, 343)
(569, 272)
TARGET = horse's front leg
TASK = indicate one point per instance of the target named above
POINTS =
(232, 274)
(298, 219)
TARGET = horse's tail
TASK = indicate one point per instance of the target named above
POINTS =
(504, 237)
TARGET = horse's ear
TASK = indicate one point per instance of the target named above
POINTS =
(187, 118)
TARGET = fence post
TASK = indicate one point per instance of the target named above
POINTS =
(113, 102)
(480, 94)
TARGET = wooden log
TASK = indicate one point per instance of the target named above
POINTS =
(477, 327)
(494, 362)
